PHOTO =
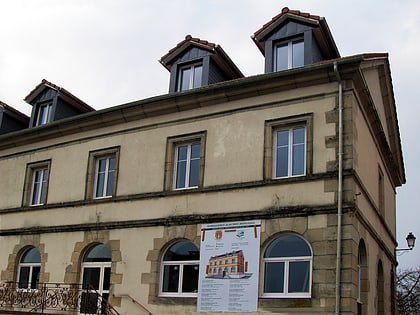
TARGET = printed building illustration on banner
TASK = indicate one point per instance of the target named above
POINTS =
(228, 265)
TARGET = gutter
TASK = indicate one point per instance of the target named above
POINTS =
(340, 191)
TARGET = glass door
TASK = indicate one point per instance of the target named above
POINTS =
(96, 276)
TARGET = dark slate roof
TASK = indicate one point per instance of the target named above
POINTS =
(321, 30)
(14, 113)
(219, 55)
(63, 93)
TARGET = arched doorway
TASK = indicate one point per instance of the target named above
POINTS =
(96, 278)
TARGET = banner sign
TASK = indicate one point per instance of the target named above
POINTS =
(229, 267)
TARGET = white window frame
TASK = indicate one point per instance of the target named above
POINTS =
(290, 48)
(192, 68)
(188, 164)
(36, 190)
(181, 265)
(44, 114)
(31, 266)
(287, 261)
(106, 179)
(290, 151)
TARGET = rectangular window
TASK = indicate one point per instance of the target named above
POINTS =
(184, 167)
(289, 152)
(102, 173)
(104, 176)
(190, 77)
(288, 55)
(187, 165)
(39, 186)
(44, 114)
(288, 147)
(36, 183)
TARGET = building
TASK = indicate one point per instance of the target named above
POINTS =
(105, 207)
(227, 265)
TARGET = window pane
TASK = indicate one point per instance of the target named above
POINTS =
(194, 172)
(181, 174)
(170, 278)
(298, 166)
(282, 161)
(31, 256)
(100, 185)
(298, 163)
(298, 54)
(24, 277)
(89, 303)
(107, 278)
(182, 153)
(102, 165)
(281, 57)
(198, 70)
(182, 251)
(288, 246)
(195, 151)
(44, 186)
(299, 276)
(185, 79)
(111, 166)
(274, 277)
(282, 153)
(98, 253)
(91, 277)
(282, 138)
(110, 183)
(35, 277)
(190, 278)
(35, 193)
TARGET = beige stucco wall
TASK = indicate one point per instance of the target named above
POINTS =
(234, 154)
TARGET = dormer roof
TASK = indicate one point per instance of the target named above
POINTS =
(62, 93)
(321, 31)
(11, 119)
(14, 113)
(218, 55)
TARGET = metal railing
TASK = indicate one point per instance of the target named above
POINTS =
(58, 297)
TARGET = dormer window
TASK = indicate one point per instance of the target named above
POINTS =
(295, 39)
(195, 62)
(44, 114)
(190, 76)
(51, 103)
(289, 54)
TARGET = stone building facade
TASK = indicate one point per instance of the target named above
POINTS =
(112, 201)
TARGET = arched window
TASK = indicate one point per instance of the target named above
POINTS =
(29, 269)
(362, 279)
(287, 268)
(179, 274)
(96, 279)
(380, 301)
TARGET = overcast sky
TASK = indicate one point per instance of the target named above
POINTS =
(106, 53)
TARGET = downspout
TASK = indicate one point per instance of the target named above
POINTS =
(340, 191)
